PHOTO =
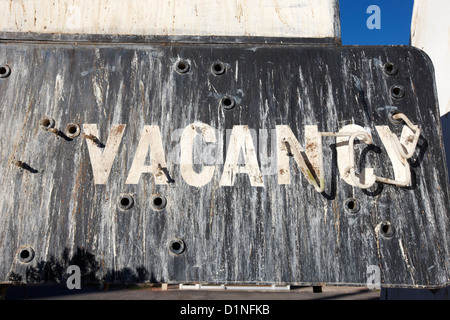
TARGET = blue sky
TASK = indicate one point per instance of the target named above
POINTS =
(395, 22)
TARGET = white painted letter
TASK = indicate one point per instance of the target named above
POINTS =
(402, 171)
(102, 161)
(241, 139)
(374, 277)
(150, 139)
(374, 21)
(309, 160)
(187, 146)
(73, 282)
(343, 160)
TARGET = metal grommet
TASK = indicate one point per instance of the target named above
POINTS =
(176, 246)
(386, 230)
(352, 205)
(218, 68)
(182, 66)
(397, 92)
(25, 254)
(390, 68)
(46, 123)
(227, 103)
(73, 130)
(125, 202)
(159, 202)
(5, 71)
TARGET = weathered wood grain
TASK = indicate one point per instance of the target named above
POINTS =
(266, 18)
(277, 234)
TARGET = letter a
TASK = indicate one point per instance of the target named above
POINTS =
(73, 282)
(150, 141)
(374, 21)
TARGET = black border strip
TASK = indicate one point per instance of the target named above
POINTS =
(139, 39)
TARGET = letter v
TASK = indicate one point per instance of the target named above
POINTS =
(102, 160)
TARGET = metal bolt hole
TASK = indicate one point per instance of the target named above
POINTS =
(176, 246)
(46, 123)
(26, 254)
(387, 230)
(182, 66)
(159, 202)
(390, 68)
(397, 92)
(351, 205)
(218, 68)
(126, 202)
(227, 103)
(73, 130)
(5, 71)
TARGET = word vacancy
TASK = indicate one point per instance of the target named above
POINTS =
(241, 146)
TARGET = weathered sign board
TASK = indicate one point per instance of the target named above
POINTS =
(221, 163)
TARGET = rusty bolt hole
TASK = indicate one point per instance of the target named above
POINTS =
(73, 130)
(26, 254)
(159, 202)
(387, 230)
(176, 246)
(182, 66)
(46, 123)
(352, 205)
(126, 202)
(5, 71)
(218, 68)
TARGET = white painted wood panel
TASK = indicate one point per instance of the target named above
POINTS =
(430, 31)
(266, 18)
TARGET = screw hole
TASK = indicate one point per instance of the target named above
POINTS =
(5, 71)
(397, 92)
(218, 68)
(390, 68)
(352, 205)
(126, 202)
(26, 254)
(73, 130)
(46, 123)
(182, 66)
(177, 246)
(387, 230)
(227, 103)
(159, 202)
